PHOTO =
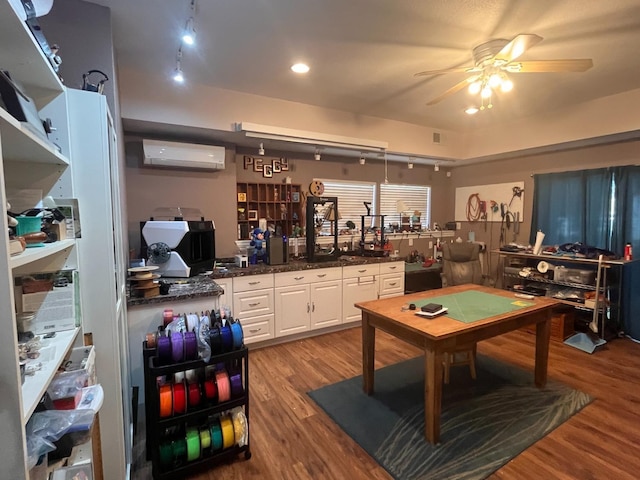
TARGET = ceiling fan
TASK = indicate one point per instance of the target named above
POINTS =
(496, 58)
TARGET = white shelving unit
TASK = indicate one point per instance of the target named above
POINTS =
(54, 350)
(80, 162)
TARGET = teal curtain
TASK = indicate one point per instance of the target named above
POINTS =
(573, 207)
(627, 207)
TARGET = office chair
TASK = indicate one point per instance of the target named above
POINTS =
(460, 265)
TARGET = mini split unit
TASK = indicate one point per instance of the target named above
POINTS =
(158, 153)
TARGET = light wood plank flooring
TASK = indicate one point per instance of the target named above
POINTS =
(292, 438)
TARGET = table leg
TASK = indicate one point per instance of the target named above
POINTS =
(368, 353)
(543, 334)
(432, 395)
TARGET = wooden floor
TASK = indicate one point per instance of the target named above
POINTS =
(292, 438)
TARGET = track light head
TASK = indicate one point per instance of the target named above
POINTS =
(189, 34)
(178, 77)
(316, 155)
(261, 149)
(436, 168)
(363, 160)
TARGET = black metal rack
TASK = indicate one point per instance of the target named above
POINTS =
(156, 427)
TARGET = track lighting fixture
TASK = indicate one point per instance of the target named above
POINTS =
(317, 154)
(261, 149)
(362, 160)
(177, 73)
(436, 167)
(410, 163)
(189, 34)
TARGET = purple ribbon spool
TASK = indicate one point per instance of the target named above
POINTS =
(177, 347)
(190, 346)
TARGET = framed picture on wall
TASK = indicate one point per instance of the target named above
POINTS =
(252, 215)
(295, 197)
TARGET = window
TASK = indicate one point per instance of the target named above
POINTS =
(351, 198)
(415, 197)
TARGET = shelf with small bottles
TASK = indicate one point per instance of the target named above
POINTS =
(279, 204)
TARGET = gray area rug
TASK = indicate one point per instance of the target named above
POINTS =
(484, 423)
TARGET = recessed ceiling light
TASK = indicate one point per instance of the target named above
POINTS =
(471, 110)
(300, 67)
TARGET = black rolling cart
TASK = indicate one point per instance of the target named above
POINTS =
(199, 434)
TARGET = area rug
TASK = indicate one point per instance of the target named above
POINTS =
(484, 423)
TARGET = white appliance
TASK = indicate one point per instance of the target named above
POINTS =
(184, 155)
(180, 248)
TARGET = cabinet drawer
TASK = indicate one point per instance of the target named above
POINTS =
(258, 328)
(250, 304)
(252, 282)
(393, 267)
(391, 283)
(354, 271)
(287, 279)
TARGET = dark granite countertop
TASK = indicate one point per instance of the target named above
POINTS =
(205, 286)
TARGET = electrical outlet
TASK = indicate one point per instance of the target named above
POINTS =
(411, 242)
(430, 245)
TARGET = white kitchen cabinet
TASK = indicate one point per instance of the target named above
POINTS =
(391, 280)
(226, 299)
(359, 284)
(253, 305)
(307, 299)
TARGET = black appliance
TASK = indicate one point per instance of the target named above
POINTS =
(320, 212)
(277, 250)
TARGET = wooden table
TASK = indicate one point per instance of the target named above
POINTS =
(444, 334)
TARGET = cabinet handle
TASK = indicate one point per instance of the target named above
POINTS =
(307, 308)
(392, 268)
(393, 284)
(313, 307)
(362, 271)
(255, 330)
(254, 304)
(254, 283)
(321, 275)
(298, 278)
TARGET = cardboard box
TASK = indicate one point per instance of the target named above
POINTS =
(53, 296)
(82, 358)
(562, 326)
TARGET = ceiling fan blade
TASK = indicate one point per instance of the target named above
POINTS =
(456, 88)
(571, 65)
(447, 70)
(516, 47)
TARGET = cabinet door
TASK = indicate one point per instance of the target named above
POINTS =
(326, 304)
(356, 290)
(225, 299)
(292, 310)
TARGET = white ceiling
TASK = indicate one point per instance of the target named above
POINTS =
(363, 53)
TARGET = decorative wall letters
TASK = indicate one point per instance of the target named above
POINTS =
(268, 168)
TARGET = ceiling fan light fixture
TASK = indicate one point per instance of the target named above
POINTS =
(486, 92)
(506, 85)
(495, 80)
(475, 87)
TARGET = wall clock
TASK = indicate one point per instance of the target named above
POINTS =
(316, 188)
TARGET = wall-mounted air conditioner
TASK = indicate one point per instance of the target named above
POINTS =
(182, 155)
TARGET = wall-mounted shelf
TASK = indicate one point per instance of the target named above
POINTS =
(279, 204)
(34, 254)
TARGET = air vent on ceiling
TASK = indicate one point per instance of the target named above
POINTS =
(436, 137)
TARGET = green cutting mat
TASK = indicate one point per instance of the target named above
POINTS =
(469, 307)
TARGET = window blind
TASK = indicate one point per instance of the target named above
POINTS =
(351, 197)
(415, 197)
